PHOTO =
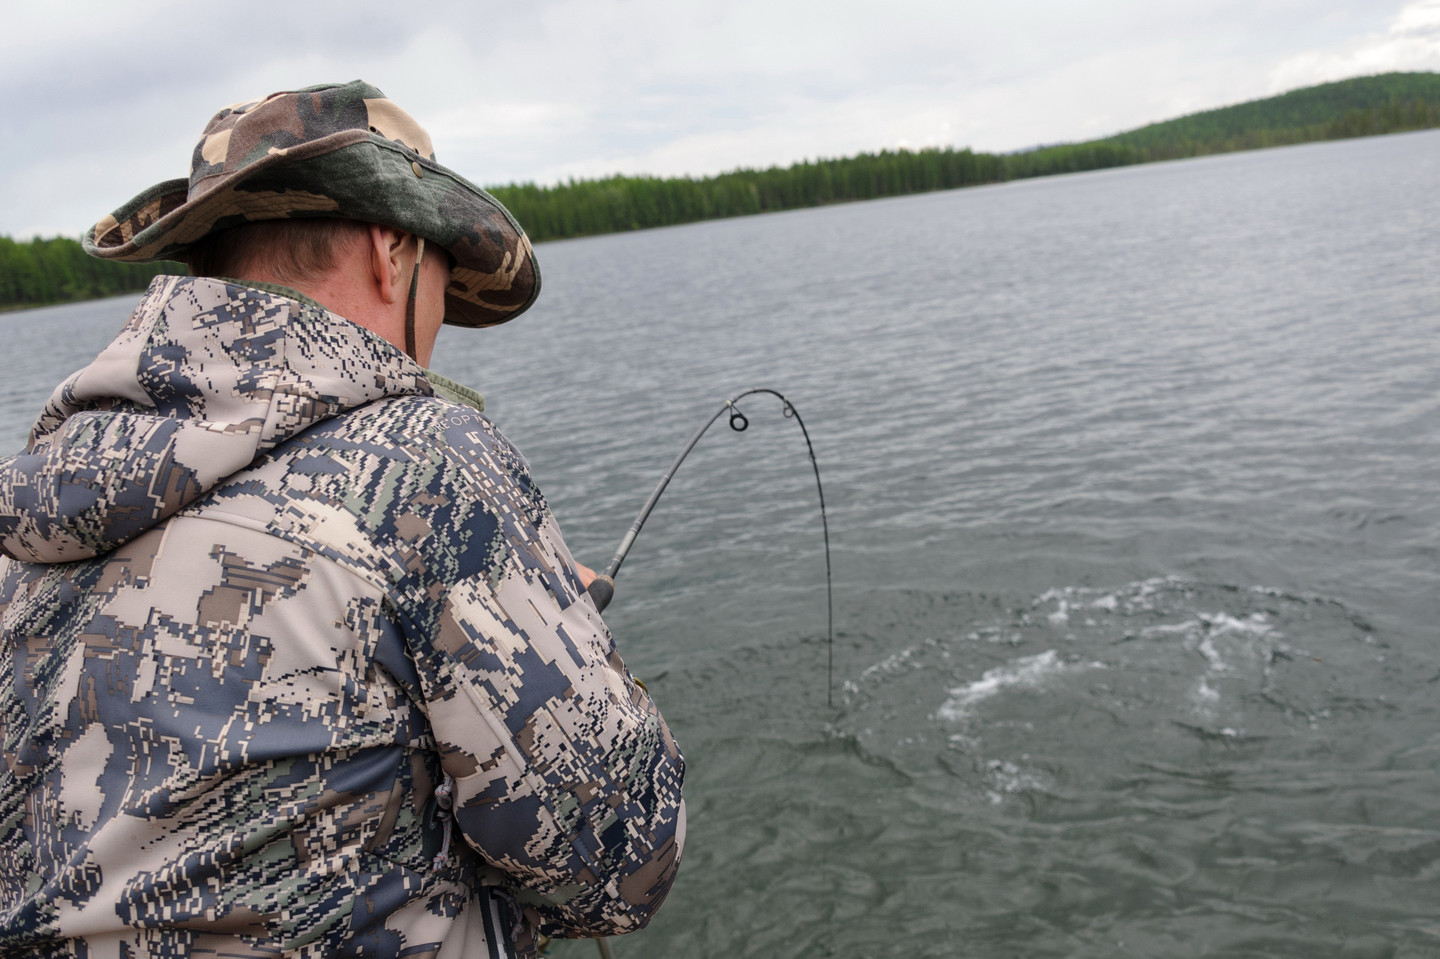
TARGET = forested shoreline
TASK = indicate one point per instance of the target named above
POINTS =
(40, 272)
(1365, 106)
(43, 271)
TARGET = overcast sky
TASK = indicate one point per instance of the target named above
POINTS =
(103, 98)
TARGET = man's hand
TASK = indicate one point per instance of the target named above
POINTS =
(587, 575)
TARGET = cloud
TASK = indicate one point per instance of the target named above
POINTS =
(1411, 43)
(106, 97)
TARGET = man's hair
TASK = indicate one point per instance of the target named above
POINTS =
(290, 251)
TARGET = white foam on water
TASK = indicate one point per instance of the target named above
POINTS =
(1006, 778)
(1231, 643)
(893, 663)
(1135, 597)
(1060, 597)
(1205, 692)
(1212, 656)
(1027, 671)
(1188, 626)
(1221, 625)
(1255, 624)
(1205, 628)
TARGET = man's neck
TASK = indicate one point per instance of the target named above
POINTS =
(443, 385)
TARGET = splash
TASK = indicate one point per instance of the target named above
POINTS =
(1027, 671)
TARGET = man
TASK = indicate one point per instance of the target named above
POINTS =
(295, 661)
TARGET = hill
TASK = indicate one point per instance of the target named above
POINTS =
(1348, 108)
(1364, 106)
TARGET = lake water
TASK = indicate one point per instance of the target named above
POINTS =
(1134, 493)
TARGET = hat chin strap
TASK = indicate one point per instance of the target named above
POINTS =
(410, 302)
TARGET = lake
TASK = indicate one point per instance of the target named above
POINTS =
(1133, 483)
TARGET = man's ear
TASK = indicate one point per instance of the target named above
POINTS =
(387, 262)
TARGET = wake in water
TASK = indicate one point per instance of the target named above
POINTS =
(1164, 768)
(1078, 688)
(1029, 671)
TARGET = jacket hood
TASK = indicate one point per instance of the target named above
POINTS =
(204, 378)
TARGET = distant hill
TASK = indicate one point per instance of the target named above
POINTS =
(55, 270)
(1364, 106)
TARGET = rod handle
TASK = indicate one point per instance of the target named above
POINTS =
(602, 590)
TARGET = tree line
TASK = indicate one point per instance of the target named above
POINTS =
(56, 270)
(1364, 106)
(582, 207)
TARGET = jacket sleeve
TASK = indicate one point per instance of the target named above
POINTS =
(566, 776)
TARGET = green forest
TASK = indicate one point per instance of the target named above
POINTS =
(1366, 106)
(56, 270)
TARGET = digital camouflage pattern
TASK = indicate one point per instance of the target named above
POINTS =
(270, 601)
(334, 150)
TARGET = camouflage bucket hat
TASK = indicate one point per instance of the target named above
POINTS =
(336, 150)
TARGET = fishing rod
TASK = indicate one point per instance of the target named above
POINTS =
(602, 589)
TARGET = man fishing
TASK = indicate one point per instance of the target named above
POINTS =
(295, 661)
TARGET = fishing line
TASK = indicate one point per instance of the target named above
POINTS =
(602, 590)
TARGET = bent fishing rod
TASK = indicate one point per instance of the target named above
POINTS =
(602, 589)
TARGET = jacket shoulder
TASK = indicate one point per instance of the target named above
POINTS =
(390, 488)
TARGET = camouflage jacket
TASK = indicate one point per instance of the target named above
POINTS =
(278, 621)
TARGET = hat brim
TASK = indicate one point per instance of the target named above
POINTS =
(495, 275)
